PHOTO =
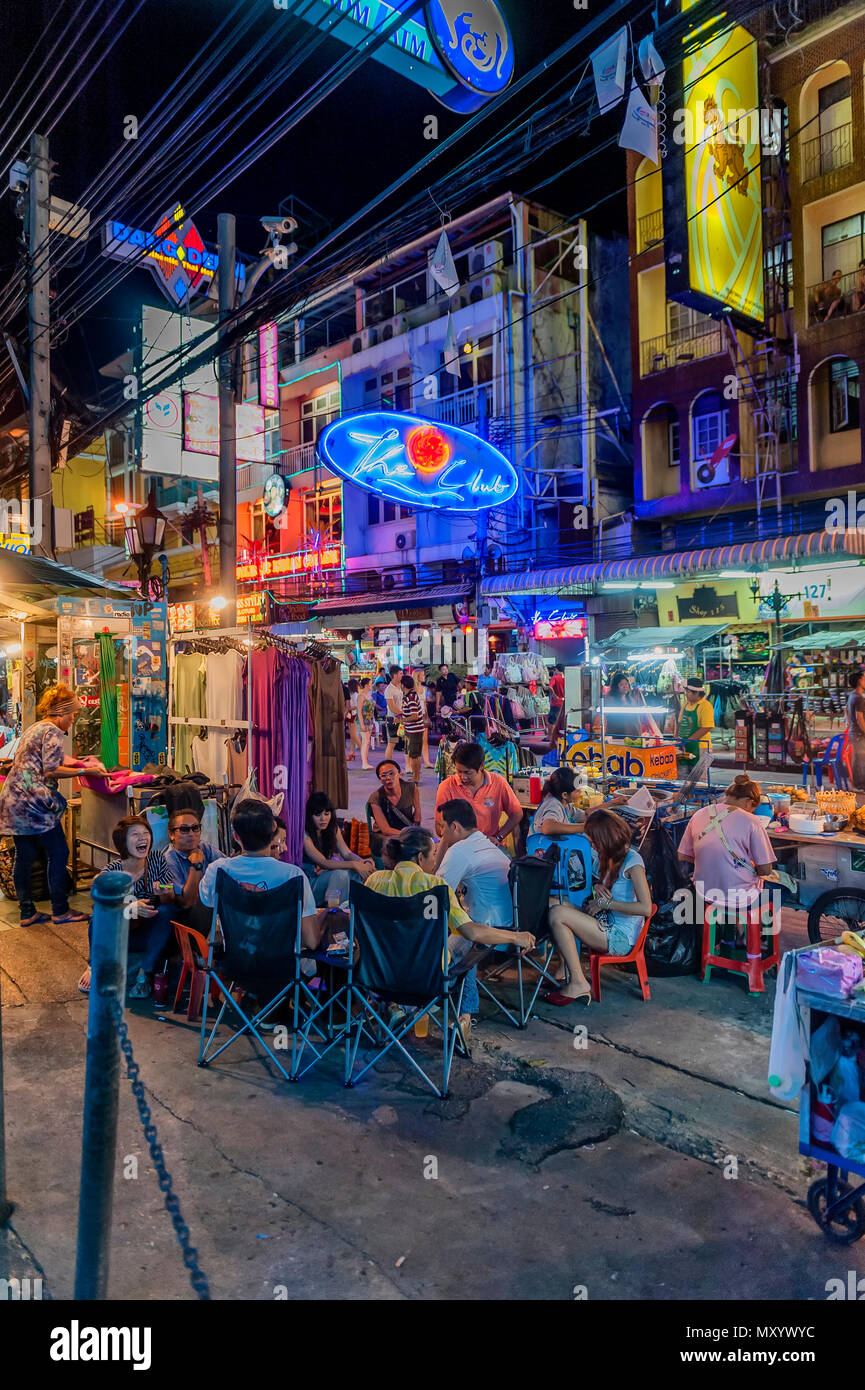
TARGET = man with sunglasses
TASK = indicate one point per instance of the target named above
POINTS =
(188, 858)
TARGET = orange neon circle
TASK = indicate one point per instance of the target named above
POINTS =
(428, 449)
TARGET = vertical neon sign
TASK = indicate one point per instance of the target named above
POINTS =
(268, 366)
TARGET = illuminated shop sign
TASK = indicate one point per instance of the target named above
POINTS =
(558, 624)
(268, 366)
(180, 262)
(622, 760)
(181, 617)
(275, 566)
(406, 459)
(462, 53)
(251, 608)
(713, 220)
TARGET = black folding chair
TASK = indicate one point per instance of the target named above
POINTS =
(531, 882)
(402, 958)
(261, 932)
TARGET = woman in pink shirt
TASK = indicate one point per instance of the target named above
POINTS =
(729, 848)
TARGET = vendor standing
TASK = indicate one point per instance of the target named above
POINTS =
(618, 723)
(856, 727)
(696, 721)
(31, 807)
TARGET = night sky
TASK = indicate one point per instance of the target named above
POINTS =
(347, 150)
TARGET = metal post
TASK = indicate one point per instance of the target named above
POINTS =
(99, 1141)
(227, 429)
(5, 1204)
(38, 210)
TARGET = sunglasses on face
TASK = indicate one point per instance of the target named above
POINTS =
(194, 825)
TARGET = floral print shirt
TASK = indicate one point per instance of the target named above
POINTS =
(29, 800)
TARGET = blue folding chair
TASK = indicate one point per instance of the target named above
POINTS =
(574, 870)
(530, 880)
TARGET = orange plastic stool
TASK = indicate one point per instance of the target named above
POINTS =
(754, 965)
(636, 957)
(193, 969)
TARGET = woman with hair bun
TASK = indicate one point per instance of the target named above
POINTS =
(556, 815)
(31, 806)
(729, 847)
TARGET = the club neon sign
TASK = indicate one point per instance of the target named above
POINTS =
(408, 459)
(180, 262)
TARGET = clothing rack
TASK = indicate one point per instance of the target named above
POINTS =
(178, 645)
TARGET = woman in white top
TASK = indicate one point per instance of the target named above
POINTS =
(614, 918)
(556, 815)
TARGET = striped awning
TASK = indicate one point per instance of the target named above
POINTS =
(679, 564)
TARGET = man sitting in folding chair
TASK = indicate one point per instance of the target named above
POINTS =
(414, 852)
(268, 915)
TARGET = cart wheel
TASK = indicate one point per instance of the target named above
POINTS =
(843, 1227)
(839, 910)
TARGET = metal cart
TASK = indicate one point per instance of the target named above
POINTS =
(835, 1204)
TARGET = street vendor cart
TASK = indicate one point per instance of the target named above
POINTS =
(834, 1202)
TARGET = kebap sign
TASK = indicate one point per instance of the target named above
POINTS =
(622, 760)
(407, 459)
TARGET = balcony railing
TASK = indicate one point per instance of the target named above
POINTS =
(650, 230)
(833, 299)
(685, 345)
(829, 151)
(296, 459)
(253, 475)
(461, 408)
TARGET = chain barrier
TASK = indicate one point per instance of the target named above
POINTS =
(197, 1277)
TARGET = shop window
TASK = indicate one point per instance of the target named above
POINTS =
(843, 396)
(316, 413)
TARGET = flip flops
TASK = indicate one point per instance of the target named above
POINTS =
(36, 920)
(69, 917)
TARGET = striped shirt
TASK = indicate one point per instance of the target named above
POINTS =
(407, 879)
(156, 871)
(412, 713)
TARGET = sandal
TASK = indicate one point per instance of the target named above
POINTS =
(69, 917)
(36, 920)
(84, 982)
(142, 987)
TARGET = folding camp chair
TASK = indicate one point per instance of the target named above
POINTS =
(402, 958)
(261, 932)
(531, 882)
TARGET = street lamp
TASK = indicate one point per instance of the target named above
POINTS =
(144, 531)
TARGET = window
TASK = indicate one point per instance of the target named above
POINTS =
(778, 273)
(843, 245)
(684, 322)
(843, 396)
(322, 513)
(378, 511)
(833, 103)
(675, 457)
(476, 367)
(316, 413)
(709, 430)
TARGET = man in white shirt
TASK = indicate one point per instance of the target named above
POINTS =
(393, 695)
(473, 862)
(254, 826)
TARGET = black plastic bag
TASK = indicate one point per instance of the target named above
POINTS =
(673, 947)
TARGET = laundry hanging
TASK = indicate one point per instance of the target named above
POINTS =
(109, 741)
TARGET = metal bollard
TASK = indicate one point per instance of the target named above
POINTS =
(108, 946)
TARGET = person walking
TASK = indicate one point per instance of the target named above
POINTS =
(414, 723)
(421, 691)
(365, 719)
(393, 695)
(31, 807)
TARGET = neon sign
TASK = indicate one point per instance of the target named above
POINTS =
(408, 459)
(559, 624)
(275, 566)
(268, 366)
(473, 41)
(181, 264)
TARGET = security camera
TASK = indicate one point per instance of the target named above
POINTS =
(18, 176)
(277, 226)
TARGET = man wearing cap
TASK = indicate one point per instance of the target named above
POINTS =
(696, 721)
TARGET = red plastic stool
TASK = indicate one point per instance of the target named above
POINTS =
(753, 965)
(636, 957)
(192, 968)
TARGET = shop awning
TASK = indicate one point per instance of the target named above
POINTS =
(34, 577)
(825, 637)
(681, 564)
(396, 599)
(644, 639)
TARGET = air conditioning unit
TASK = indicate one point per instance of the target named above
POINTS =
(482, 288)
(394, 327)
(405, 540)
(486, 257)
(366, 338)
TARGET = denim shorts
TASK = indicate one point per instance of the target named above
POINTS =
(618, 942)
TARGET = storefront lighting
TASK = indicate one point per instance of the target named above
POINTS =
(13, 649)
(218, 602)
(614, 584)
(467, 347)
(620, 587)
(734, 574)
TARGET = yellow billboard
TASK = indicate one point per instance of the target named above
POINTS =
(722, 129)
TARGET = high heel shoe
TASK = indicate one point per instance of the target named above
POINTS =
(560, 1001)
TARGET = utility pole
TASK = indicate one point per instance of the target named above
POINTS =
(39, 211)
(227, 430)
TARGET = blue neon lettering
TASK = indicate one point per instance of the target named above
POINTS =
(417, 46)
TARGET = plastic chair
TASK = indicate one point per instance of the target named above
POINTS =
(836, 759)
(753, 965)
(636, 956)
(187, 937)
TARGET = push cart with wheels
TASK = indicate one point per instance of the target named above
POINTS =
(836, 1203)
